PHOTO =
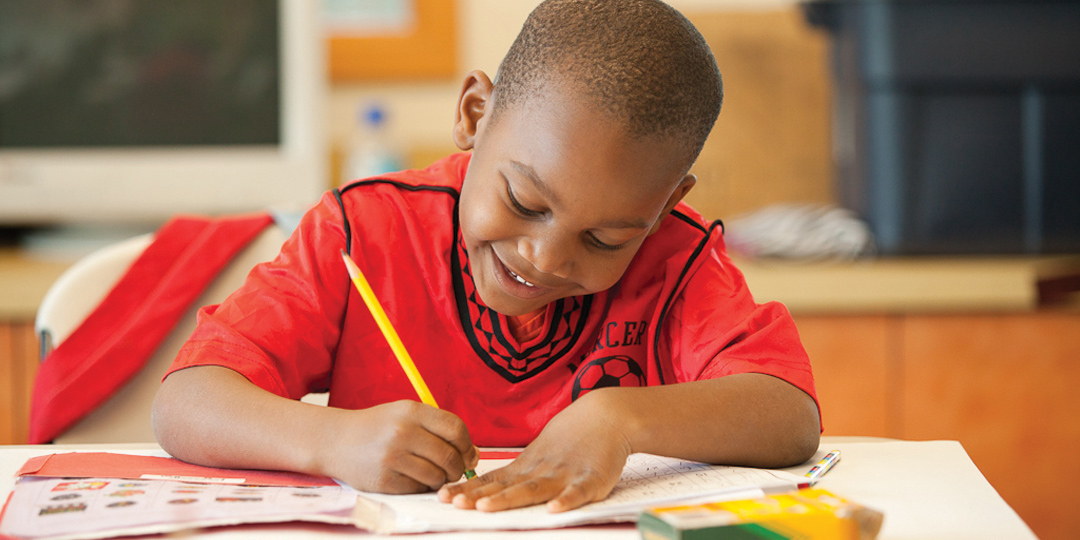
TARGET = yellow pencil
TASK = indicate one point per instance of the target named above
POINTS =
(391, 335)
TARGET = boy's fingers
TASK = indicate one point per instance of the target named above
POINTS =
(465, 494)
(472, 457)
(526, 493)
(422, 470)
(441, 455)
(500, 490)
(503, 490)
(450, 428)
(446, 493)
(389, 481)
(451, 490)
(571, 497)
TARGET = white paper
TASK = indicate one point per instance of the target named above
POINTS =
(646, 481)
(65, 508)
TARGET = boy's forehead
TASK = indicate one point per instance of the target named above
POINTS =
(603, 181)
(561, 127)
(627, 193)
(557, 93)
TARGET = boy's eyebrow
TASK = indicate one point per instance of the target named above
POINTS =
(530, 173)
(624, 224)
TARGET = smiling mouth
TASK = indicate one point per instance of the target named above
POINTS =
(519, 279)
(514, 284)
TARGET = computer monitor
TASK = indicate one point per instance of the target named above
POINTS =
(132, 111)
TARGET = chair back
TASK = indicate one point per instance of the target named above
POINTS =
(125, 417)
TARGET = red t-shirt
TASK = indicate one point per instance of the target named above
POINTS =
(681, 312)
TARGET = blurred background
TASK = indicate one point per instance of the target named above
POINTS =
(904, 175)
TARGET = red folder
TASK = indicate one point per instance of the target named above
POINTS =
(127, 466)
(134, 467)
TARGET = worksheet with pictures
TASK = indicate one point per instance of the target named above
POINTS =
(74, 507)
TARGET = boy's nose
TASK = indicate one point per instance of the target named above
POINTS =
(547, 255)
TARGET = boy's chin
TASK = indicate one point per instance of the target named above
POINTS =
(509, 306)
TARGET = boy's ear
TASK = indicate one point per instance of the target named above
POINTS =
(473, 104)
(681, 190)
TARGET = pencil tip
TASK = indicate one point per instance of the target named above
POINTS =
(349, 265)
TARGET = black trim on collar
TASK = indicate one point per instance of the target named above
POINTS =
(402, 185)
(697, 224)
(552, 329)
(338, 192)
(344, 222)
(689, 220)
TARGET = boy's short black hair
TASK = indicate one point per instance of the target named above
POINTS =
(640, 61)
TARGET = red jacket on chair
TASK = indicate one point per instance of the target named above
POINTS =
(122, 333)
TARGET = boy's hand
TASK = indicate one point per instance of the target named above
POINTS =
(399, 447)
(576, 460)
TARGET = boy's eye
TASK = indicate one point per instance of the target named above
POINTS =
(603, 245)
(520, 208)
(529, 213)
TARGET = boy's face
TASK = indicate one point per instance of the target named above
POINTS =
(557, 198)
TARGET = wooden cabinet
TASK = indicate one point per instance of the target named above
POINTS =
(1004, 385)
(18, 364)
(853, 363)
(23, 282)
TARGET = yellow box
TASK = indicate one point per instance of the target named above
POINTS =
(809, 514)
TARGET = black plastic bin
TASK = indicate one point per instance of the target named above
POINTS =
(957, 123)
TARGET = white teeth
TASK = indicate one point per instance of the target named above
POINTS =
(519, 279)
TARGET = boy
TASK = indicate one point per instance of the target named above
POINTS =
(549, 286)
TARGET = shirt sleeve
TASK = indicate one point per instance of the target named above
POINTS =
(280, 329)
(716, 329)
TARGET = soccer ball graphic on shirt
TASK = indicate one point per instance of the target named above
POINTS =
(608, 371)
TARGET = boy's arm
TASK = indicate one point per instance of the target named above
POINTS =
(214, 416)
(281, 330)
(746, 419)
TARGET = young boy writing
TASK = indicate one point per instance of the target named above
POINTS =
(550, 287)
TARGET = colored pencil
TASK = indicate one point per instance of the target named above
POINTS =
(825, 465)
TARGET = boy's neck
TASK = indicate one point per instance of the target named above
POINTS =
(527, 327)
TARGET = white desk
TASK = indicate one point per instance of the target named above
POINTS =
(927, 490)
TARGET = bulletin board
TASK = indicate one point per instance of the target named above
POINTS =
(426, 50)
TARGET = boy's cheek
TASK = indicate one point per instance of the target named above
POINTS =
(482, 220)
(490, 226)
(609, 281)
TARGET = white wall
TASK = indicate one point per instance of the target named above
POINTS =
(420, 114)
